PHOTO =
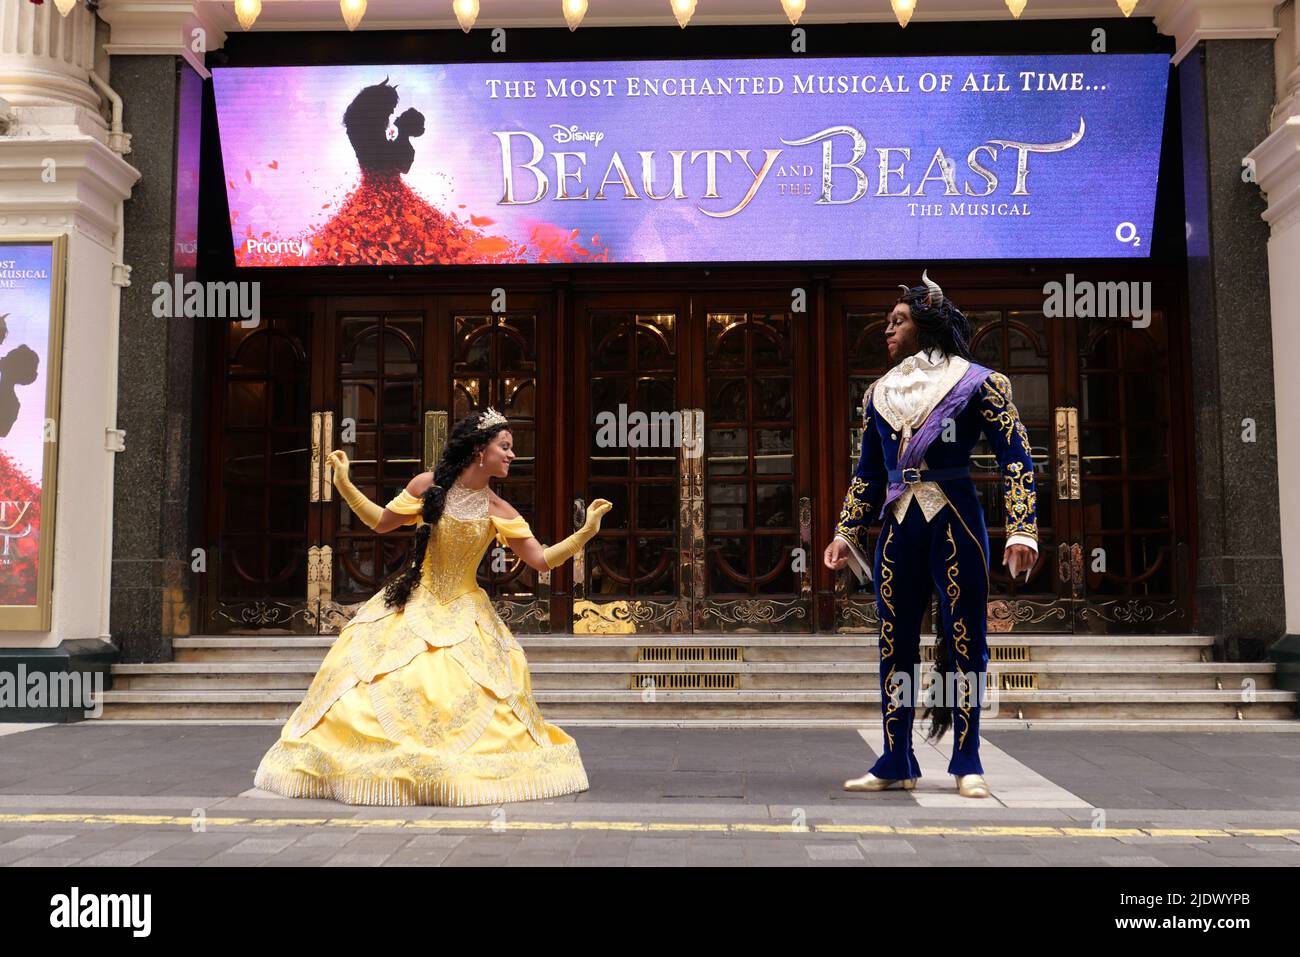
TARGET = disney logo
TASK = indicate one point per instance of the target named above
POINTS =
(567, 134)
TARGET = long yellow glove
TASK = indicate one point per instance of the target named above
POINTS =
(561, 552)
(366, 510)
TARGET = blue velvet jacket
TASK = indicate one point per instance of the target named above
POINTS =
(990, 411)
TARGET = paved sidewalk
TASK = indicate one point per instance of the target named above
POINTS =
(144, 794)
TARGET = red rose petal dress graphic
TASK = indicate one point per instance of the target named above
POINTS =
(383, 222)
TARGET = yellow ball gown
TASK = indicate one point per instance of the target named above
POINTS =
(431, 703)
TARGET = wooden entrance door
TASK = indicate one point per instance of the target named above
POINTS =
(262, 472)
(375, 387)
(381, 378)
(1130, 549)
(504, 360)
(691, 421)
(716, 424)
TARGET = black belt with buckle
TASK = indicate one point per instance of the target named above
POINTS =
(916, 476)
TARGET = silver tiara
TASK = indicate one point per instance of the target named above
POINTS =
(490, 418)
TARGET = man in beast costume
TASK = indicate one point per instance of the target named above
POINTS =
(921, 421)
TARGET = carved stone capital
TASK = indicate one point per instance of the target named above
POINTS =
(1277, 170)
(1191, 21)
(50, 185)
(184, 28)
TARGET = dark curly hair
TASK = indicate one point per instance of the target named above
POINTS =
(939, 323)
(366, 118)
(463, 446)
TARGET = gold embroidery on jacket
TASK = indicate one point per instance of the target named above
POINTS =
(855, 506)
(963, 709)
(1021, 500)
(886, 572)
(997, 390)
(953, 590)
(1018, 491)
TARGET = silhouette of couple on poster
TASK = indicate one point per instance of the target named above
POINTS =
(385, 222)
(17, 367)
(366, 120)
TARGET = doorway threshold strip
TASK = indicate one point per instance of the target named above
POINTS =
(498, 825)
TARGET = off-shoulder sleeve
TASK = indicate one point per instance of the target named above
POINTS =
(508, 528)
(404, 503)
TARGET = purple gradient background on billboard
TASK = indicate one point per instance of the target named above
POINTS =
(292, 117)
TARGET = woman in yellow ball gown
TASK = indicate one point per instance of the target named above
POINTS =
(425, 698)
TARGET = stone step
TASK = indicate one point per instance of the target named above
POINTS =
(987, 724)
(1147, 726)
(591, 648)
(780, 678)
(867, 647)
(244, 648)
(862, 705)
(794, 675)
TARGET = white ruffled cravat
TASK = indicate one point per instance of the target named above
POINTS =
(910, 387)
(911, 391)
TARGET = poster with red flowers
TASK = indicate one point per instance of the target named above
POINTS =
(31, 325)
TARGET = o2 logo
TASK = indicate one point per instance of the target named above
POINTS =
(1127, 233)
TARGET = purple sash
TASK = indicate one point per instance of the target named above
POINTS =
(948, 406)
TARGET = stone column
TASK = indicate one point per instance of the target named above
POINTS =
(151, 533)
(54, 123)
(1277, 169)
(157, 493)
(1225, 81)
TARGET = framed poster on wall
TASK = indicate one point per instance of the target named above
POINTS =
(31, 338)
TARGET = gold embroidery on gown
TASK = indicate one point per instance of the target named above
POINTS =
(431, 703)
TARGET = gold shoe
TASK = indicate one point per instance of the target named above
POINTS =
(869, 782)
(972, 786)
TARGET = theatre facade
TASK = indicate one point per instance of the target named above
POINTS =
(666, 256)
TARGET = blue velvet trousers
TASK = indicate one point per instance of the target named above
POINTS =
(912, 557)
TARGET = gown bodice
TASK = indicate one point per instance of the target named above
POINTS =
(458, 542)
(448, 575)
(459, 538)
(456, 547)
(451, 560)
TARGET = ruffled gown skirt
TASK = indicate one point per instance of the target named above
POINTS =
(431, 704)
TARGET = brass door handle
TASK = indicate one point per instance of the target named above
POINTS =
(313, 482)
(1068, 478)
(580, 559)
(435, 437)
(805, 542)
(1069, 567)
(321, 482)
(691, 509)
(327, 446)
